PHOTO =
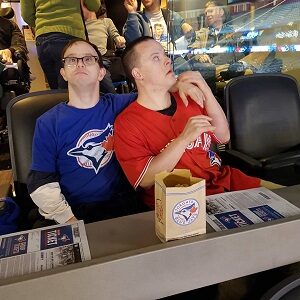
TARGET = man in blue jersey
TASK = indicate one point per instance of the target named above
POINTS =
(74, 173)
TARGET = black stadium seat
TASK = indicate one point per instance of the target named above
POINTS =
(287, 289)
(263, 111)
(22, 113)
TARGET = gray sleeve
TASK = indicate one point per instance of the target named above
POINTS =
(111, 28)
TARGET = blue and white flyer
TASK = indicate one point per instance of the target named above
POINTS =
(44, 248)
(242, 208)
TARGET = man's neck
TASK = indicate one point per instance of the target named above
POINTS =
(218, 26)
(83, 97)
(152, 9)
(154, 99)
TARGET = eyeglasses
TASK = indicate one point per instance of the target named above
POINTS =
(73, 61)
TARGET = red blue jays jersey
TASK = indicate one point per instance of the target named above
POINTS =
(141, 134)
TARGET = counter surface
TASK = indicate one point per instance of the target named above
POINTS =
(129, 261)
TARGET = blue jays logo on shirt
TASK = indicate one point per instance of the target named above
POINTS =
(186, 212)
(94, 148)
(214, 159)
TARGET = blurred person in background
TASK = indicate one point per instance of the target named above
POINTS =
(56, 22)
(100, 29)
(11, 40)
(219, 33)
(144, 23)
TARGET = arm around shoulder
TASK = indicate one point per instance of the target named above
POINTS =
(212, 107)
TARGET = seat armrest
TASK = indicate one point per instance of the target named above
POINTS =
(241, 161)
(282, 157)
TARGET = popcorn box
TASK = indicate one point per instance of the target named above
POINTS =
(180, 209)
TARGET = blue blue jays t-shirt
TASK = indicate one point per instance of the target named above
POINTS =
(78, 145)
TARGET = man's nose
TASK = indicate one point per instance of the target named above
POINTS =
(168, 61)
(80, 62)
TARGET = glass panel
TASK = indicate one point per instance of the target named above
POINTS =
(234, 38)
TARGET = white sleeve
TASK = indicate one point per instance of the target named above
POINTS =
(52, 203)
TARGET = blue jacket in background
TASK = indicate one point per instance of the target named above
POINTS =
(138, 25)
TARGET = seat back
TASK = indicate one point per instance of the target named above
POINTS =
(287, 289)
(116, 69)
(22, 113)
(263, 112)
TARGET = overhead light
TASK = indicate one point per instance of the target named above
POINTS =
(5, 4)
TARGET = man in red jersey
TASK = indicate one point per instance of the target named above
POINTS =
(158, 132)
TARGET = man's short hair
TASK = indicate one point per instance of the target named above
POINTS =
(226, 15)
(101, 11)
(213, 3)
(74, 41)
(130, 55)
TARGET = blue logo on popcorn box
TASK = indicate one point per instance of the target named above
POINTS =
(186, 212)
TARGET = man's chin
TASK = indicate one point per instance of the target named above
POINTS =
(83, 84)
(171, 82)
(171, 77)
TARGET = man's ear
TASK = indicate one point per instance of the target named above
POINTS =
(221, 11)
(102, 73)
(63, 74)
(136, 74)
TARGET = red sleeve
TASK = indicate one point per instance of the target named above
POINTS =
(131, 150)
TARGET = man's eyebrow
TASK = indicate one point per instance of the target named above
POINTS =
(83, 54)
(156, 53)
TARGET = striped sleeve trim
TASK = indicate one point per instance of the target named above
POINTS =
(137, 183)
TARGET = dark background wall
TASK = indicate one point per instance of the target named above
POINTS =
(117, 12)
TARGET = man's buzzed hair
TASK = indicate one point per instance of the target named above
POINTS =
(130, 57)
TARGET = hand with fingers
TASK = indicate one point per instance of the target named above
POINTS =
(195, 127)
(187, 89)
(193, 77)
(6, 56)
(203, 58)
(131, 5)
(120, 42)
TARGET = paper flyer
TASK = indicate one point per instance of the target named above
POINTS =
(43, 248)
(246, 207)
